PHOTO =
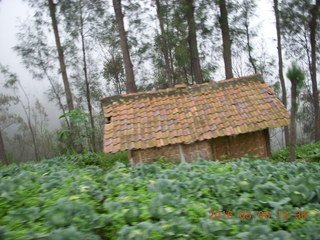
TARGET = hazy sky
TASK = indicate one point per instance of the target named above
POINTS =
(13, 12)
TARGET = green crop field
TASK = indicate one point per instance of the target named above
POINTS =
(67, 198)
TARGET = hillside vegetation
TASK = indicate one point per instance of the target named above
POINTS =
(77, 197)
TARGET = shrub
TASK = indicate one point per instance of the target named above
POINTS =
(308, 152)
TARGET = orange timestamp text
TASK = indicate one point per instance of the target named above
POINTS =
(258, 215)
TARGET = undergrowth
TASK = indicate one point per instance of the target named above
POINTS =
(308, 152)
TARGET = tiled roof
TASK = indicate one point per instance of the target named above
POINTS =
(191, 113)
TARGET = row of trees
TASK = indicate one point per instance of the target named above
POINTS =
(100, 48)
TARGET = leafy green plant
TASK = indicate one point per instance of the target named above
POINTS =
(100, 196)
(164, 160)
(308, 152)
(80, 132)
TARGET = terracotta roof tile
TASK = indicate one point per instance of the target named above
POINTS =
(191, 113)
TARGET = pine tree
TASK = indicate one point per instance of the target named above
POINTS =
(164, 44)
(192, 40)
(280, 64)
(226, 42)
(296, 76)
(313, 25)
(130, 79)
(54, 22)
(299, 25)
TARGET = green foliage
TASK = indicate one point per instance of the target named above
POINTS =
(163, 160)
(308, 152)
(102, 160)
(296, 75)
(80, 132)
(113, 73)
(74, 197)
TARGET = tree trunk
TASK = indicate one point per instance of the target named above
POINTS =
(192, 39)
(52, 8)
(224, 25)
(251, 59)
(55, 91)
(313, 28)
(280, 62)
(34, 141)
(3, 155)
(88, 93)
(164, 45)
(293, 134)
(130, 82)
(27, 111)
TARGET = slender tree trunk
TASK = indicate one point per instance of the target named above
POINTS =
(251, 59)
(313, 28)
(171, 58)
(130, 82)
(293, 133)
(27, 111)
(43, 66)
(117, 83)
(164, 45)
(58, 98)
(192, 39)
(224, 25)
(280, 63)
(88, 93)
(55, 92)
(52, 8)
(3, 155)
(34, 141)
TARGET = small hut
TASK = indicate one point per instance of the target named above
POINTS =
(215, 120)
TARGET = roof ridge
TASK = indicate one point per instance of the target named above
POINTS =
(254, 77)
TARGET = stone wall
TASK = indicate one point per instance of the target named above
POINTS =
(218, 149)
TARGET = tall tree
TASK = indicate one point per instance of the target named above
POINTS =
(248, 7)
(79, 16)
(226, 42)
(314, 12)
(296, 76)
(39, 59)
(192, 40)
(52, 9)
(13, 82)
(280, 63)
(85, 70)
(130, 80)
(299, 25)
(6, 120)
(164, 43)
(3, 155)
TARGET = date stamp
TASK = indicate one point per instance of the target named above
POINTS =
(258, 215)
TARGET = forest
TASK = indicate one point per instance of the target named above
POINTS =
(89, 49)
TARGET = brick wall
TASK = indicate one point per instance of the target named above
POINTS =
(196, 150)
(148, 155)
(190, 152)
(236, 146)
(218, 149)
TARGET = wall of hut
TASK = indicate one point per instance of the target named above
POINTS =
(256, 143)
